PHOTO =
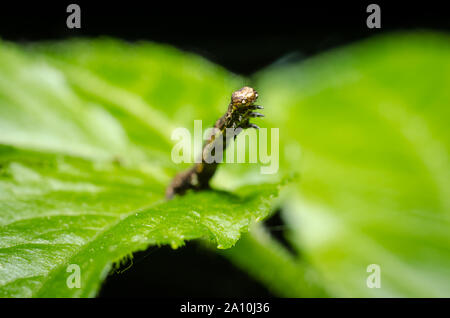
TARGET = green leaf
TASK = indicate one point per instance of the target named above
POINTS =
(85, 157)
(85, 147)
(367, 127)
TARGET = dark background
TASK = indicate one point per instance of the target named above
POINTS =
(242, 36)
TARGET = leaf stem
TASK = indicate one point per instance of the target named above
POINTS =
(268, 261)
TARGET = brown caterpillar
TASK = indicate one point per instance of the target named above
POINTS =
(237, 117)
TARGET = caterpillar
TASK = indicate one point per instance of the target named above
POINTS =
(237, 117)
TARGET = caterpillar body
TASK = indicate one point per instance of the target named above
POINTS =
(240, 110)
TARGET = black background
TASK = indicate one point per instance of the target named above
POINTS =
(242, 36)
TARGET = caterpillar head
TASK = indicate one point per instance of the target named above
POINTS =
(244, 97)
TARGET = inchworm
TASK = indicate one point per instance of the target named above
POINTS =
(237, 117)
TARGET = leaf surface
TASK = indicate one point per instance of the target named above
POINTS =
(367, 128)
(85, 142)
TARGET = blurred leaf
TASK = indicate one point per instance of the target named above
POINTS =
(85, 158)
(85, 128)
(367, 126)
